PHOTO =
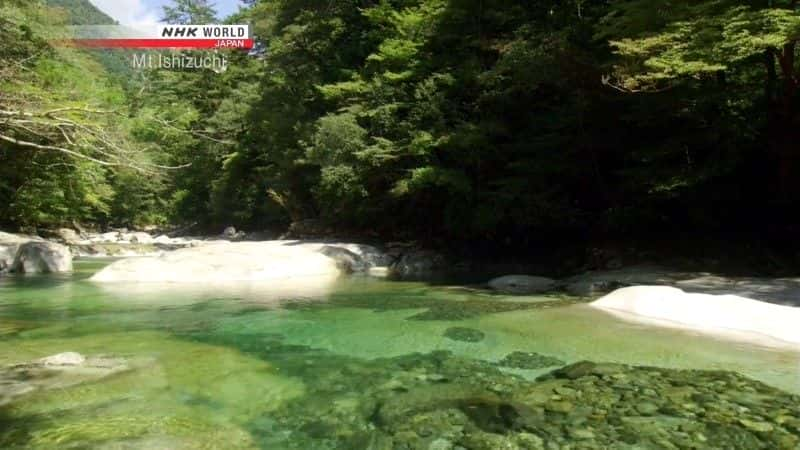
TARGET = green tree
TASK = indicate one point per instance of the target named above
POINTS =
(185, 12)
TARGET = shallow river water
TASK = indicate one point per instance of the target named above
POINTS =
(251, 367)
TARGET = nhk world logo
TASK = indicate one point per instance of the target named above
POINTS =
(182, 37)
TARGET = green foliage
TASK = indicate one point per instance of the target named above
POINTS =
(81, 12)
(468, 120)
(694, 38)
(186, 12)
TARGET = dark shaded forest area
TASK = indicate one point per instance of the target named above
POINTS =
(499, 124)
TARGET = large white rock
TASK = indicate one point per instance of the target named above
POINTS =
(7, 253)
(141, 237)
(64, 359)
(42, 257)
(68, 236)
(242, 261)
(163, 239)
(719, 314)
(9, 244)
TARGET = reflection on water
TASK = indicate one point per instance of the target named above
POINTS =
(265, 366)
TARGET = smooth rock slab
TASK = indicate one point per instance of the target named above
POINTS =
(719, 314)
(64, 359)
(241, 261)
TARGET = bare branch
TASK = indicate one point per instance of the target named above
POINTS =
(52, 147)
(195, 133)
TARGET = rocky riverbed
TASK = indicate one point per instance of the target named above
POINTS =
(445, 402)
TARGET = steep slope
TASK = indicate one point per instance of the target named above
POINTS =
(82, 12)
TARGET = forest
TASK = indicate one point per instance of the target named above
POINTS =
(495, 122)
(400, 225)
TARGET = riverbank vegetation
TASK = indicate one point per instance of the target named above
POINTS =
(488, 121)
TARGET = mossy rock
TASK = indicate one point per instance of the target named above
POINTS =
(529, 360)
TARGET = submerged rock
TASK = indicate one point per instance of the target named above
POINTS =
(522, 284)
(720, 314)
(464, 334)
(64, 359)
(440, 400)
(529, 360)
(56, 372)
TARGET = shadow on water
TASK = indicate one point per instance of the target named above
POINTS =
(23, 431)
(16, 432)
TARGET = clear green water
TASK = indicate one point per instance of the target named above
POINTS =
(242, 367)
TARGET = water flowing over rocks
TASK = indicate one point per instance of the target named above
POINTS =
(721, 314)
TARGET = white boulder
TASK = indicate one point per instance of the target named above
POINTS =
(7, 253)
(163, 239)
(64, 359)
(245, 261)
(42, 257)
(229, 233)
(719, 314)
(522, 284)
(111, 236)
(68, 236)
(141, 237)
(9, 244)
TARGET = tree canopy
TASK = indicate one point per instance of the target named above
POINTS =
(468, 120)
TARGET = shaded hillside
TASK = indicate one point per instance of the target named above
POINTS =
(82, 12)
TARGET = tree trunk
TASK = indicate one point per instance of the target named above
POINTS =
(782, 115)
